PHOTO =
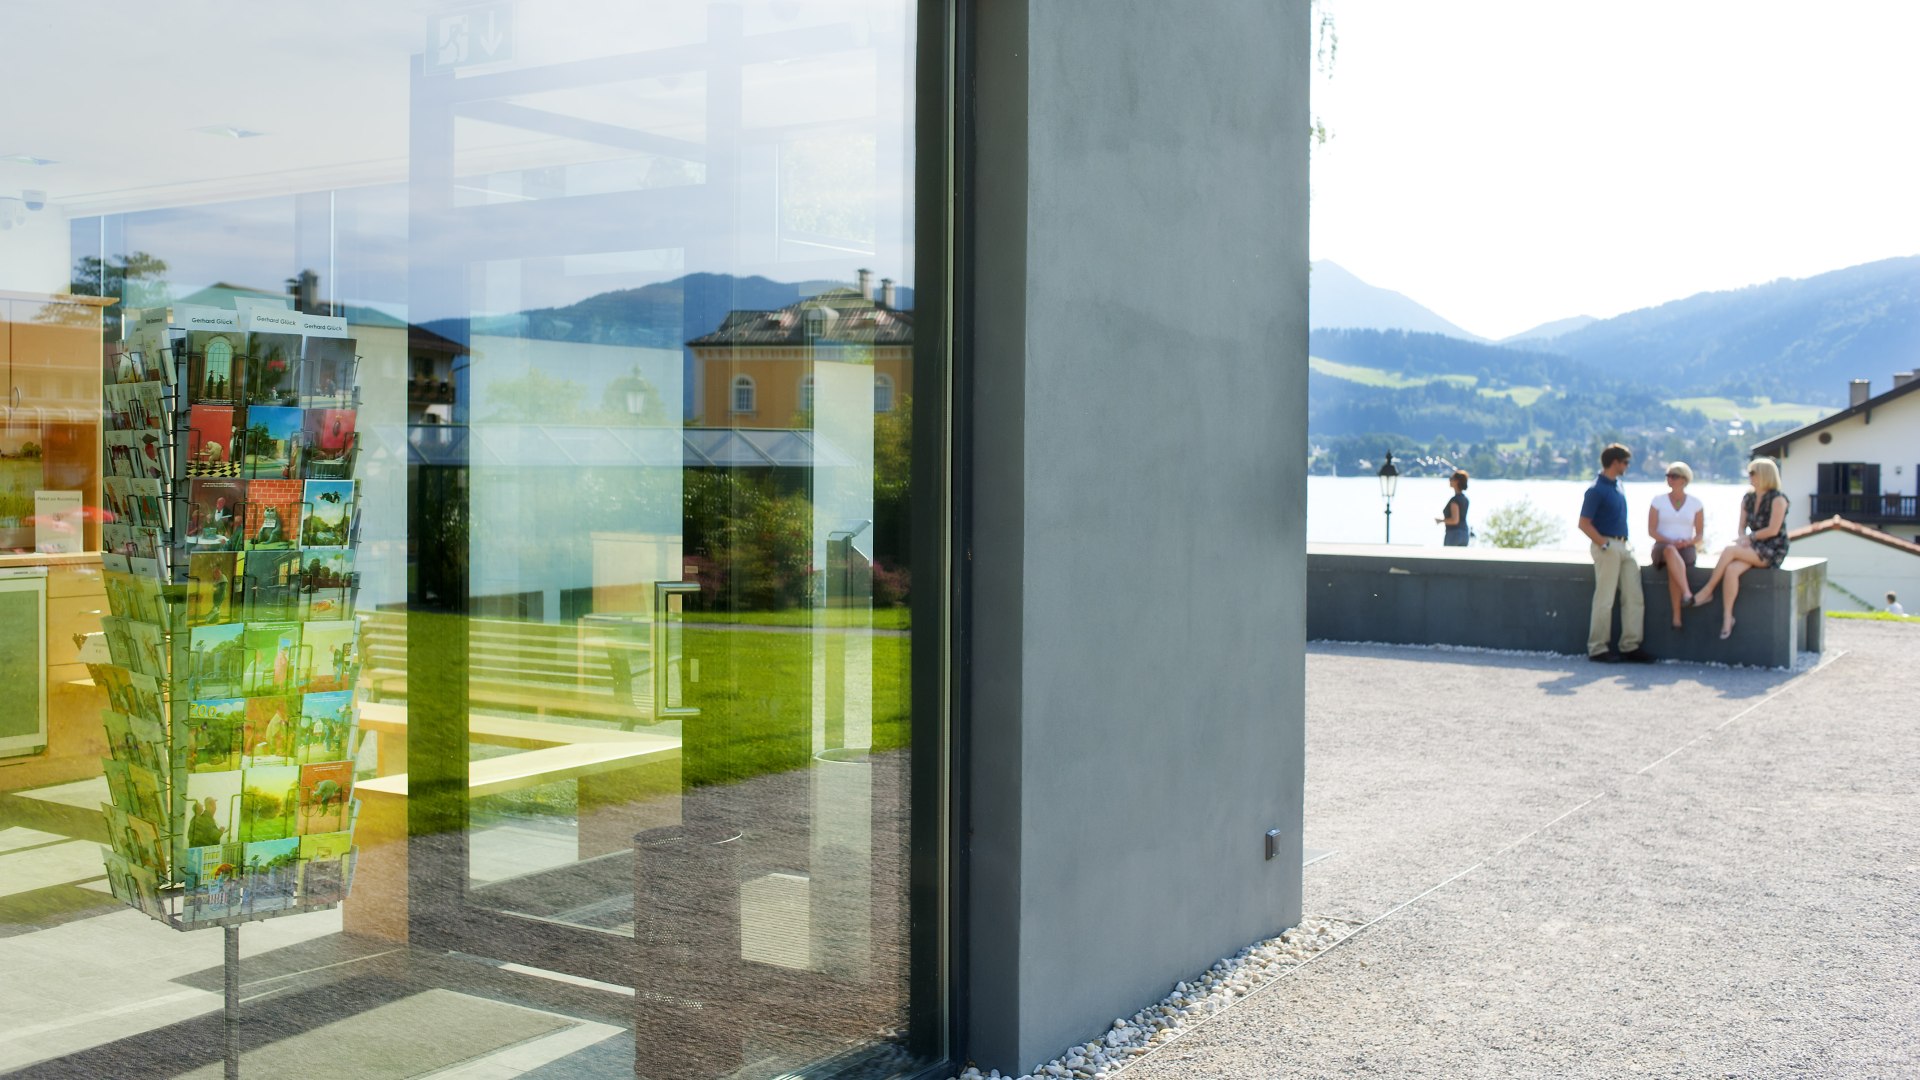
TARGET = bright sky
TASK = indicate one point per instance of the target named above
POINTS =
(1511, 162)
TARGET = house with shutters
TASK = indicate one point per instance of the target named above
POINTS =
(1861, 463)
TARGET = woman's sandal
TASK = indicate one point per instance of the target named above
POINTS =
(1726, 631)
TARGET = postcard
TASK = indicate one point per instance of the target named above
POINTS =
(213, 882)
(210, 446)
(270, 442)
(273, 369)
(273, 515)
(216, 509)
(330, 656)
(119, 734)
(216, 661)
(326, 584)
(327, 513)
(150, 746)
(145, 696)
(270, 586)
(269, 802)
(325, 789)
(142, 843)
(326, 867)
(213, 592)
(327, 372)
(146, 889)
(144, 791)
(119, 782)
(152, 455)
(213, 805)
(214, 369)
(326, 727)
(273, 729)
(119, 880)
(119, 641)
(326, 444)
(272, 874)
(272, 650)
(215, 733)
(117, 447)
(149, 649)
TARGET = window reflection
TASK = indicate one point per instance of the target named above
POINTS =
(620, 661)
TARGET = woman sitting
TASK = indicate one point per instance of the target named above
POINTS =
(1677, 523)
(1762, 542)
(1455, 516)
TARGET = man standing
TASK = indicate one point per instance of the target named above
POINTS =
(1603, 518)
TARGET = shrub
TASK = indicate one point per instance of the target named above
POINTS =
(1521, 525)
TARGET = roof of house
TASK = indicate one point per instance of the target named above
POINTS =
(1840, 524)
(837, 316)
(1778, 443)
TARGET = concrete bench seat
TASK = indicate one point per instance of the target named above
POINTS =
(1538, 601)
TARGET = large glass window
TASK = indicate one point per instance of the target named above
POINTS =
(454, 495)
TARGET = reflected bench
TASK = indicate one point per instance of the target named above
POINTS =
(626, 782)
(540, 668)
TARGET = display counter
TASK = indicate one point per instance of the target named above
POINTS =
(40, 634)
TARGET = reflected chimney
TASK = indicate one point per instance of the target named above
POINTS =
(1857, 392)
(866, 282)
(1902, 378)
(886, 292)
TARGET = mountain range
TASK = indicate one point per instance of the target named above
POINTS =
(1793, 339)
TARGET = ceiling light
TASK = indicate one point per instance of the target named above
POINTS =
(228, 131)
(28, 159)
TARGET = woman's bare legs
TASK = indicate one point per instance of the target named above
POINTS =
(1729, 555)
(1730, 589)
(1676, 583)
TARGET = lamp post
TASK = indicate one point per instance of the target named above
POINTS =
(1389, 479)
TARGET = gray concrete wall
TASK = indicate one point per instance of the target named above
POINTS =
(1540, 601)
(1137, 547)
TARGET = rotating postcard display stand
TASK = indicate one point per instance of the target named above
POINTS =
(229, 565)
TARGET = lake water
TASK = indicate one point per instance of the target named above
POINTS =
(1347, 509)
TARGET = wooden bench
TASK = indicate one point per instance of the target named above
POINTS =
(626, 782)
(541, 668)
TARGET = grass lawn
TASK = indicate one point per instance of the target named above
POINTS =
(1873, 616)
(1762, 411)
(890, 618)
(755, 697)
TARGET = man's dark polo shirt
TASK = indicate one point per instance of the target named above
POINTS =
(1606, 507)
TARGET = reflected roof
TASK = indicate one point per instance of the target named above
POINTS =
(566, 446)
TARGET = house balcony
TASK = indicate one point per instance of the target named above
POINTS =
(1887, 509)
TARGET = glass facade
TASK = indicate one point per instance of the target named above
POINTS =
(456, 493)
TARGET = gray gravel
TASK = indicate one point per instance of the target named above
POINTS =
(1672, 870)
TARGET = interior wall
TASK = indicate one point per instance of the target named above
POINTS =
(36, 255)
(1139, 424)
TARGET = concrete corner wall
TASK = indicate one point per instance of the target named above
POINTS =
(1539, 601)
(1136, 550)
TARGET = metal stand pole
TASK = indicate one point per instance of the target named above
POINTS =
(1389, 523)
(232, 1020)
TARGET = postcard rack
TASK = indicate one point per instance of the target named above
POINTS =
(231, 648)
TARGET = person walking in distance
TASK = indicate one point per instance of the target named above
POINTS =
(1893, 605)
(1603, 518)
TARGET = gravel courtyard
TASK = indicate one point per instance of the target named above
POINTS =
(1564, 869)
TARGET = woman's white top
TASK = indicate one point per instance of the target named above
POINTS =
(1674, 524)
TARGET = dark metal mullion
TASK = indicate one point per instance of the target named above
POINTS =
(937, 815)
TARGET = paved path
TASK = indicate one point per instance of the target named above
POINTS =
(1573, 870)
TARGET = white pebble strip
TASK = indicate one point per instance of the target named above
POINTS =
(1190, 1003)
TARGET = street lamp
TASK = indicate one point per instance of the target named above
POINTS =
(1389, 479)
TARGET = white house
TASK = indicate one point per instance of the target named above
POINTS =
(1863, 565)
(1862, 462)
